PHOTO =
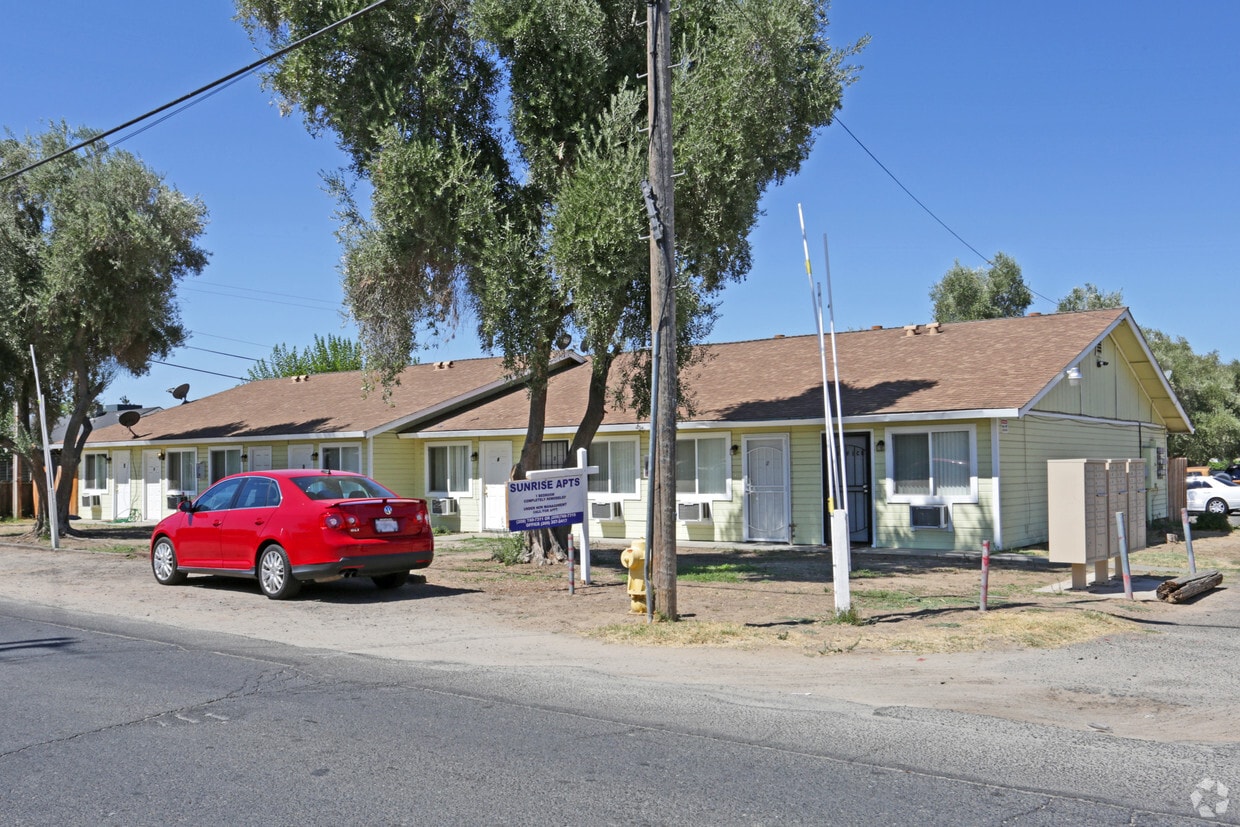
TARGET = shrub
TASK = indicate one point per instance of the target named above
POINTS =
(509, 550)
(1212, 522)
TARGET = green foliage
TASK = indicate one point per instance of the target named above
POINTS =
(327, 355)
(968, 294)
(530, 215)
(849, 617)
(1212, 522)
(509, 549)
(1208, 390)
(1089, 297)
(91, 249)
(717, 573)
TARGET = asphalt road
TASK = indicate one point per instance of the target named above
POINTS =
(114, 721)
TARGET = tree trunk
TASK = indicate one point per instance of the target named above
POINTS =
(1182, 588)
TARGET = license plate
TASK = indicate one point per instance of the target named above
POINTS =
(385, 524)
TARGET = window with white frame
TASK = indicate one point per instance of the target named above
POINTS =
(702, 466)
(95, 472)
(932, 465)
(617, 466)
(222, 462)
(342, 458)
(448, 469)
(182, 472)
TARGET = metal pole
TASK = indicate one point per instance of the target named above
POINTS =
(1188, 541)
(815, 300)
(1123, 554)
(582, 455)
(985, 573)
(571, 583)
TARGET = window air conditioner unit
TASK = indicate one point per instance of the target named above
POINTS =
(444, 505)
(606, 511)
(692, 512)
(89, 500)
(929, 516)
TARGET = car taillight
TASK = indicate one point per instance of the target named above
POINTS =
(340, 522)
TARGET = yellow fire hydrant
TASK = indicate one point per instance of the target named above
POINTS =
(634, 559)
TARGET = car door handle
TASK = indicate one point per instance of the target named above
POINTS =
(258, 521)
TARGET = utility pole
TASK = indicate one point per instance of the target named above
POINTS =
(660, 208)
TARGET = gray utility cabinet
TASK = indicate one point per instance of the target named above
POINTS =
(1082, 498)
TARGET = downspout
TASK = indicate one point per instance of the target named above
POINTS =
(995, 488)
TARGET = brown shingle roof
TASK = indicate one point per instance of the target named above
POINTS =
(1000, 365)
(994, 365)
(323, 403)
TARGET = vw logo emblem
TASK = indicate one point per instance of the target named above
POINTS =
(387, 509)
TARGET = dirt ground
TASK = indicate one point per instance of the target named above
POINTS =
(780, 598)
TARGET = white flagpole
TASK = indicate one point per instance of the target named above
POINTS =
(815, 299)
(837, 509)
(841, 531)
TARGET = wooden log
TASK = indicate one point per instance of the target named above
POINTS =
(1190, 585)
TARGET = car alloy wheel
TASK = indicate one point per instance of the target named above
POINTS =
(275, 575)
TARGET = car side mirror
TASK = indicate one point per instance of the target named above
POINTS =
(186, 506)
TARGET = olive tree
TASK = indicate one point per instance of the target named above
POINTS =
(969, 294)
(91, 249)
(502, 147)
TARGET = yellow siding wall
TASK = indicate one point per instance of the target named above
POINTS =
(394, 465)
(971, 523)
(1029, 442)
(1107, 392)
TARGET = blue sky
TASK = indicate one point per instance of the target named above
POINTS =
(1093, 142)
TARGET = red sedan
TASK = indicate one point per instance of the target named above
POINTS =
(287, 527)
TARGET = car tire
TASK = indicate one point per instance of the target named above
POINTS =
(1216, 506)
(275, 575)
(391, 581)
(164, 563)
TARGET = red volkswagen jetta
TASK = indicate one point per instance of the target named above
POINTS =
(286, 527)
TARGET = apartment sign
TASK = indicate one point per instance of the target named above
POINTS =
(547, 499)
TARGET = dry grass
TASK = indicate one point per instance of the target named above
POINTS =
(782, 599)
(960, 631)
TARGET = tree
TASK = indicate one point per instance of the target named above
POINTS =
(91, 249)
(503, 144)
(1089, 297)
(327, 355)
(1208, 390)
(967, 294)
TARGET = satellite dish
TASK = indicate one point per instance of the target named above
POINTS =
(129, 419)
(180, 392)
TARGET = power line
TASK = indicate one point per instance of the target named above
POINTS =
(199, 370)
(229, 77)
(333, 302)
(186, 288)
(228, 339)
(220, 353)
(907, 192)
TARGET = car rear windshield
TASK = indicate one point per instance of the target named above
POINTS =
(323, 487)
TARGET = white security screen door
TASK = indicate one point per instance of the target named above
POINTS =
(152, 486)
(766, 488)
(121, 503)
(496, 467)
(299, 456)
(260, 458)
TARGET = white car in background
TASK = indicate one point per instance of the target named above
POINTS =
(1212, 495)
